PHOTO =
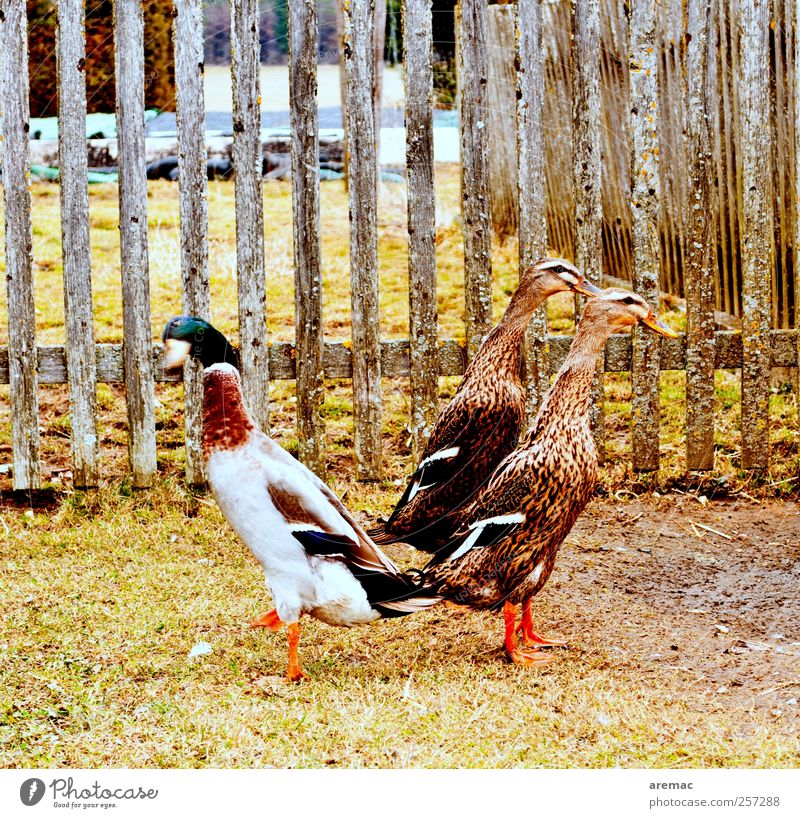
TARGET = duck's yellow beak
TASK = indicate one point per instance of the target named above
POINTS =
(585, 287)
(175, 353)
(659, 326)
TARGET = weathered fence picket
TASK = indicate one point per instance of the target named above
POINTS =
(752, 49)
(531, 183)
(699, 272)
(247, 159)
(501, 87)
(645, 217)
(192, 180)
(796, 167)
(78, 311)
(475, 196)
(725, 150)
(305, 192)
(422, 313)
(588, 220)
(137, 348)
(19, 262)
(363, 180)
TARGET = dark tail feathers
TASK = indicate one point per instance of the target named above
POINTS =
(395, 594)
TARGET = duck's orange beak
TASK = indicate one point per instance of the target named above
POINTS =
(585, 287)
(659, 326)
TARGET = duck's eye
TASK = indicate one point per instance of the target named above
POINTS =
(629, 301)
(559, 269)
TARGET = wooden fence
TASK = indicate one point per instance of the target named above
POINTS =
(667, 60)
(83, 364)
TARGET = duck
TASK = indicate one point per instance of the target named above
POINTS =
(317, 559)
(482, 423)
(505, 546)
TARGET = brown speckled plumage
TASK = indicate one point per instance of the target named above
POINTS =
(507, 539)
(549, 480)
(483, 421)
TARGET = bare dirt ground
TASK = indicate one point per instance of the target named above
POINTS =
(720, 608)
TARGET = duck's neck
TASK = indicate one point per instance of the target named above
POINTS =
(210, 347)
(569, 399)
(226, 423)
(501, 349)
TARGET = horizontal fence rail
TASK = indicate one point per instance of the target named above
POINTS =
(681, 172)
(337, 357)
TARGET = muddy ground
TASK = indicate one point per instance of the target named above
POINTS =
(671, 585)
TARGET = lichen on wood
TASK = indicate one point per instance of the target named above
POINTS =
(362, 190)
(418, 54)
(192, 181)
(752, 50)
(645, 207)
(475, 192)
(586, 163)
(531, 182)
(701, 237)
(138, 360)
(306, 221)
(19, 258)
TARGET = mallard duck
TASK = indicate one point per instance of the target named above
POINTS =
(482, 423)
(317, 559)
(508, 538)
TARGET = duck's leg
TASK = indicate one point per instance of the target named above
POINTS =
(294, 673)
(269, 620)
(530, 639)
(517, 656)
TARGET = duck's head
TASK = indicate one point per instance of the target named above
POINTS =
(187, 336)
(556, 275)
(618, 308)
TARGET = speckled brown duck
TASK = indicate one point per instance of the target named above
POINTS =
(482, 422)
(505, 548)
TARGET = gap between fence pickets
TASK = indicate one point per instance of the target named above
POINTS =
(338, 357)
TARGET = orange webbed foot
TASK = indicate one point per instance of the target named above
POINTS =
(528, 658)
(531, 639)
(269, 620)
(295, 676)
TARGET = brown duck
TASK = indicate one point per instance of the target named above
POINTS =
(506, 545)
(482, 423)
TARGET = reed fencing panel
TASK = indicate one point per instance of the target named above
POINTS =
(668, 178)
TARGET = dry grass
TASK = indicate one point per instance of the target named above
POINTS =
(105, 594)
